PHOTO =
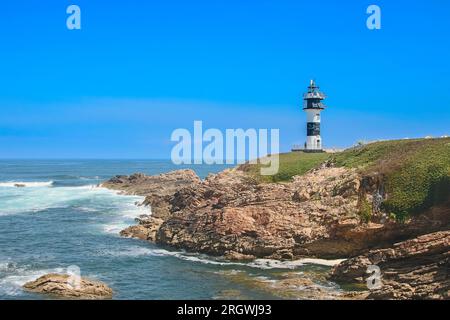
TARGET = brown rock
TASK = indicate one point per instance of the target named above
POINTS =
(315, 215)
(158, 190)
(145, 230)
(236, 256)
(60, 285)
(301, 196)
(414, 269)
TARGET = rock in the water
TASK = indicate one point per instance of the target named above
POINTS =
(62, 285)
(236, 256)
(293, 285)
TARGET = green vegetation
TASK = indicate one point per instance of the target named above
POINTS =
(291, 164)
(392, 151)
(365, 211)
(415, 173)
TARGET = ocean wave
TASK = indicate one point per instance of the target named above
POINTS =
(90, 198)
(27, 184)
(188, 257)
(133, 251)
(266, 264)
(86, 209)
(89, 178)
(13, 277)
(115, 227)
(86, 187)
(276, 264)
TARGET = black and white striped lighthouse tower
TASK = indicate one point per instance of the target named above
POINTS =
(313, 106)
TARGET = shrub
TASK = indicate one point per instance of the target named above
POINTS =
(365, 210)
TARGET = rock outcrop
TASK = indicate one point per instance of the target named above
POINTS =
(414, 269)
(229, 214)
(293, 286)
(319, 214)
(159, 185)
(159, 191)
(61, 285)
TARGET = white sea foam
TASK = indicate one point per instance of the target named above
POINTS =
(13, 277)
(276, 264)
(34, 184)
(126, 212)
(87, 187)
(115, 227)
(258, 263)
(187, 257)
(90, 198)
(87, 209)
(132, 251)
(89, 178)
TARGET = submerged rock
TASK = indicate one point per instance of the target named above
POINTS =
(293, 286)
(62, 285)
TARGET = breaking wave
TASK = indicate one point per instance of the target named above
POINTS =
(18, 184)
(13, 277)
(132, 251)
(87, 198)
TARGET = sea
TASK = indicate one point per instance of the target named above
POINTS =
(60, 219)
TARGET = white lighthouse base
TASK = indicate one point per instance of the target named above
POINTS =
(313, 143)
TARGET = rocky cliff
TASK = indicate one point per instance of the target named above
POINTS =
(317, 214)
(414, 269)
(329, 212)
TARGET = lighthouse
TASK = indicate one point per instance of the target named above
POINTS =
(313, 106)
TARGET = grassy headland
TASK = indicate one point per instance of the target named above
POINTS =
(291, 164)
(415, 173)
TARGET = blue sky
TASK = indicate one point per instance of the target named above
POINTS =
(137, 70)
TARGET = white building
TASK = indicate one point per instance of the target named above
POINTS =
(313, 106)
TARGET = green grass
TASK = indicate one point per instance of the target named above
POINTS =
(291, 164)
(415, 173)
(421, 182)
(393, 151)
